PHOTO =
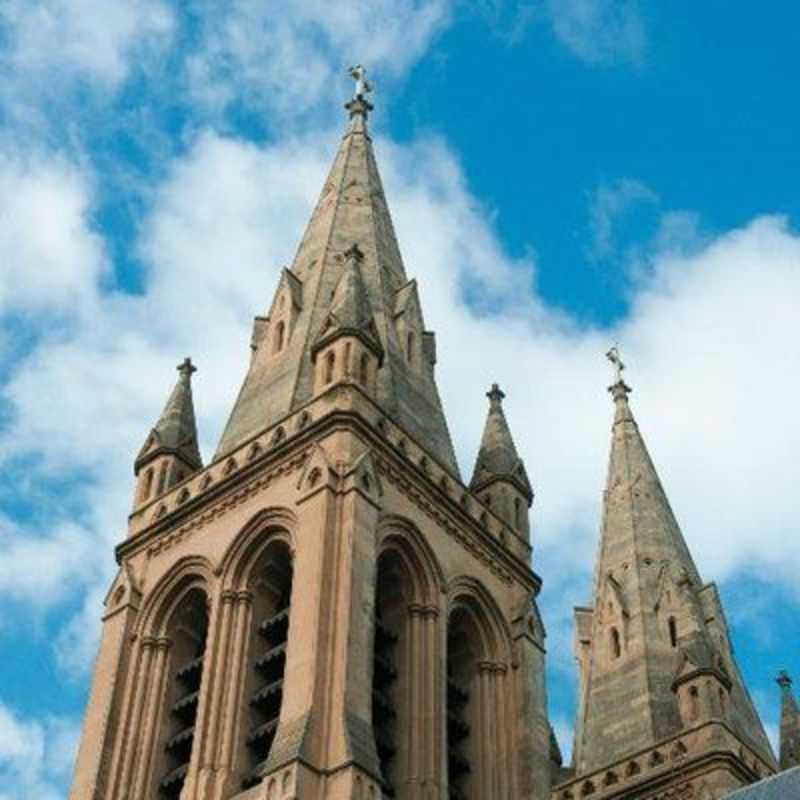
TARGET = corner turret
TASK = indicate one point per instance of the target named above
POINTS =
(170, 452)
(499, 476)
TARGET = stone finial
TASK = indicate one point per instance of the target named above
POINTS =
(496, 396)
(784, 681)
(186, 369)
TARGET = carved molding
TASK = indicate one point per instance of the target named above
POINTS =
(467, 541)
(224, 505)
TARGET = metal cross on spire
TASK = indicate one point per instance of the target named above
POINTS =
(359, 74)
(614, 357)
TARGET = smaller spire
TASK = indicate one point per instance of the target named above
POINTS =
(175, 432)
(497, 456)
(790, 723)
(350, 310)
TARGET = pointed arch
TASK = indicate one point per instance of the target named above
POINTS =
(276, 522)
(400, 534)
(187, 573)
(470, 593)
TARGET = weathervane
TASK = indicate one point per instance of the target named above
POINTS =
(614, 357)
(359, 74)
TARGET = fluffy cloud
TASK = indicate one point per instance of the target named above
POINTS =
(52, 262)
(600, 32)
(36, 755)
(288, 62)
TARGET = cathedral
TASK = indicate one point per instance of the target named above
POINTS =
(328, 610)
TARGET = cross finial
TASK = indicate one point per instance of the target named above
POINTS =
(359, 74)
(495, 395)
(614, 357)
(784, 681)
(186, 368)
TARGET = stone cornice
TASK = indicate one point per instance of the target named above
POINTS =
(284, 448)
(685, 754)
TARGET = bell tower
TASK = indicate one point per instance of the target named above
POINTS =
(325, 611)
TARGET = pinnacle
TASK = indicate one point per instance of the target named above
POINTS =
(497, 456)
(176, 429)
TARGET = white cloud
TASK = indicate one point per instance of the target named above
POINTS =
(607, 204)
(51, 260)
(36, 755)
(53, 48)
(288, 62)
(600, 32)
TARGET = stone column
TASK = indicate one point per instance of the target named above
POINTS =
(231, 699)
(432, 703)
(129, 746)
(415, 676)
(486, 730)
(206, 736)
(503, 768)
(151, 715)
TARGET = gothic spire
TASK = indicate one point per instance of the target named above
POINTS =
(654, 626)
(326, 281)
(790, 724)
(175, 433)
(497, 457)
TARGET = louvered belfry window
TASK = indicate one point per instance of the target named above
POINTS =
(188, 630)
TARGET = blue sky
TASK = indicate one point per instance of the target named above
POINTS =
(563, 175)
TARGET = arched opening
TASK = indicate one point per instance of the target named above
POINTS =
(147, 485)
(348, 358)
(673, 632)
(518, 513)
(722, 700)
(162, 478)
(186, 631)
(694, 703)
(393, 596)
(280, 335)
(464, 654)
(363, 369)
(616, 646)
(271, 585)
(330, 363)
(410, 347)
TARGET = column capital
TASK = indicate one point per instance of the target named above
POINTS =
(148, 642)
(245, 597)
(486, 667)
(228, 596)
(163, 643)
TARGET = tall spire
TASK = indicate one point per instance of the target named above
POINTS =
(654, 624)
(790, 724)
(175, 433)
(351, 213)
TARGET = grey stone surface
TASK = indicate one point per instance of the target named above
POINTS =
(654, 625)
(351, 210)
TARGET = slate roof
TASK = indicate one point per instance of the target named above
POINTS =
(783, 786)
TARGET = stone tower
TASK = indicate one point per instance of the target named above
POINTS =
(790, 724)
(325, 610)
(663, 711)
